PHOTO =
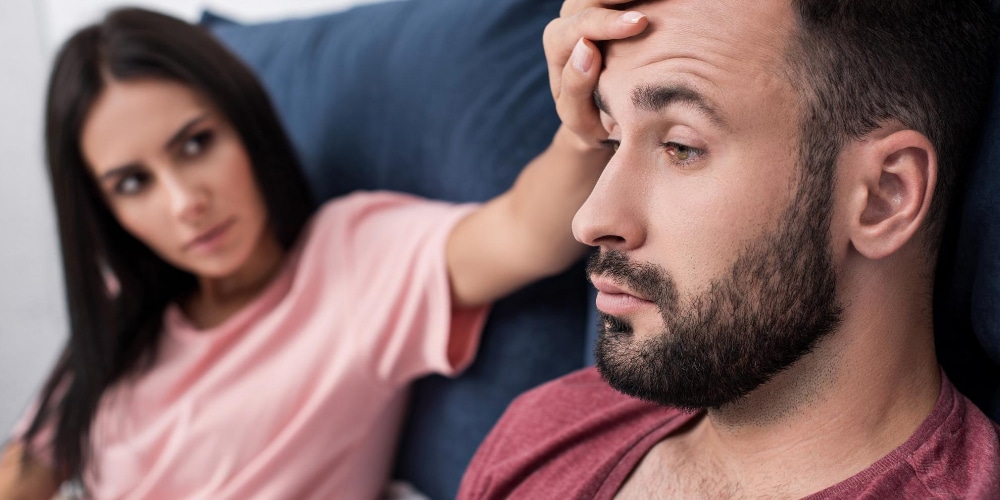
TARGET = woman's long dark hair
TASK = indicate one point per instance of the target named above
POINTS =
(114, 335)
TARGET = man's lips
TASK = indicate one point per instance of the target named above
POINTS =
(210, 236)
(616, 300)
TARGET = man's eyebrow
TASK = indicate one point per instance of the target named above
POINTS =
(657, 97)
(599, 102)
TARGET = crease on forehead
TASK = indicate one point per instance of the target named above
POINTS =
(764, 24)
(708, 41)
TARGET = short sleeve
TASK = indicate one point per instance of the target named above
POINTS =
(392, 254)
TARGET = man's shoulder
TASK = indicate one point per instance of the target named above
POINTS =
(969, 444)
(965, 434)
(955, 453)
(582, 386)
(579, 396)
(565, 438)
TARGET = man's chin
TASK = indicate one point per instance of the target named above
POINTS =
(632, 384)
(632, 366)
(686, 399)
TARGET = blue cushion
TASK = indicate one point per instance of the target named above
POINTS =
(447, 99)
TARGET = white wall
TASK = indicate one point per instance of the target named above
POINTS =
(31, 311)
(32, 314)
(65, 16)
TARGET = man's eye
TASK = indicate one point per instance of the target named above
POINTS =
(682, 154)
(196, 144)
(611, 144)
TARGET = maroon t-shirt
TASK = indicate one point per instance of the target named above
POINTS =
(577, 438)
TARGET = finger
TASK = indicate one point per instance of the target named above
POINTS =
(593, 24)
(561, 35)
(575, 104)
(572, 7)
(554, 56)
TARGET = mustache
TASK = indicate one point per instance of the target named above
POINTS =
(644, 278)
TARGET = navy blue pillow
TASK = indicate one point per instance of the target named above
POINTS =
(447, 99)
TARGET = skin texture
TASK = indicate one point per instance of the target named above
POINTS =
(688, 191)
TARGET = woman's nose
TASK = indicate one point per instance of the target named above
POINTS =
(188, 199)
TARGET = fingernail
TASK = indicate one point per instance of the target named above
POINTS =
(632, 17)
(582, 57)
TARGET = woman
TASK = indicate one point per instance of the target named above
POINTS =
(227, 342)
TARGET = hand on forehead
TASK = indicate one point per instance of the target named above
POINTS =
(725, 50)
(731, 34)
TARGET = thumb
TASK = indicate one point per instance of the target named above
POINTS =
(575, 103)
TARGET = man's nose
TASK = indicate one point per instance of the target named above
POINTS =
(612, 217)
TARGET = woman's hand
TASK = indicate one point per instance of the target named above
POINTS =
(526, 234)
(575, 61)
(24, 478)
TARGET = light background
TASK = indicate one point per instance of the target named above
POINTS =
(33, 321)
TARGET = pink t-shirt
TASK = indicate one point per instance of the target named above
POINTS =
(577, 438)
(301, 393)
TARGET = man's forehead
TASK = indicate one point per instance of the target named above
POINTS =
(749, 24)
(711, 42)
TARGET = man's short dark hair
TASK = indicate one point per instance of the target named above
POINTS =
(925, 63)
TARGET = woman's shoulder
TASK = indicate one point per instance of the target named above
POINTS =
(343, 217)
(362, 214)
(359, 203)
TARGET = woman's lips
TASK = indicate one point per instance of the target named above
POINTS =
(617, 301)
(212, 239)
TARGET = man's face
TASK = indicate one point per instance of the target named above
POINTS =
(714, 272)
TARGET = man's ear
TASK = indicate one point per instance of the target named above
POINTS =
(894, 172)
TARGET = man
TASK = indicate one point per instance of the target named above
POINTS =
(767, 229)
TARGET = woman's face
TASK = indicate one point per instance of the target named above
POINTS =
(176, 176)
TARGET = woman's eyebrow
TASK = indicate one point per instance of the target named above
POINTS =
(118, 171)
(182, 133)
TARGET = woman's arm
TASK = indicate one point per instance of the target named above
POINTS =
(525, 234)
(22, 478)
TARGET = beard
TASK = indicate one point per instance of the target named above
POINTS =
(767, 311)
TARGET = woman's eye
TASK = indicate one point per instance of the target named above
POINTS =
(683, 154)
(196, 144)
(130, 184)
